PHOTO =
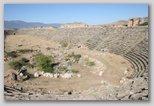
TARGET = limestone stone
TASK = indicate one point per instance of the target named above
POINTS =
(67, 75)
(36, 74)
(79, 75)
(104, 82)
(122, 80)
(48, 75)
(56, 75)
(14, 76)
(100, 73)
(21, 74)
(136, 96)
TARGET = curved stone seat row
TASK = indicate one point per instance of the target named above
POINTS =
(135, 66)
(143, 61)
(139, 60)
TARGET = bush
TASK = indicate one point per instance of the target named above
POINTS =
(61, 69)
(18, 64)
(125, 25)
(64, 44)
(75, 56)
(24, 50)
(90, 63)
(15, 65)
(74, 71)
(12, 54)
(48, 48)
(20, 45)
(143, 24)
(44, 63)
(29, 75)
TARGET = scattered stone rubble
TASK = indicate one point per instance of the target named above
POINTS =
(136, 89)
(20, 76)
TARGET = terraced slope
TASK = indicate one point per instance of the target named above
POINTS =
(139, 61)
(116, 40)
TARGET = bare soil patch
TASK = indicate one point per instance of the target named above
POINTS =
(113, 66)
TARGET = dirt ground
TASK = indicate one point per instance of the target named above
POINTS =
(112, 65)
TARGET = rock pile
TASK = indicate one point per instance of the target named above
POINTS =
(136, 89)
(20, 76)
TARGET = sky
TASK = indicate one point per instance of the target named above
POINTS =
(91, 14)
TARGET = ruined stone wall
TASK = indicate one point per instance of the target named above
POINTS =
(74, 25)
(136, 21)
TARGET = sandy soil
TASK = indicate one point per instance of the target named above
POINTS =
(112, 65)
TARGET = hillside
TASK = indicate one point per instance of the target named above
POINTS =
(17, 24)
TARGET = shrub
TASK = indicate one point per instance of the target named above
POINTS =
(12, 54)
(20, 45)
(75, 56)
(64, 44)
(44, 63)
(24, 50)
(48, 69)
(48, 48)
(18, 64)
(29, 75)
(70, 63)
(61, 69)
(143, 24)
(15, 65)
(125, 25)
(90, 63)
(74, 71)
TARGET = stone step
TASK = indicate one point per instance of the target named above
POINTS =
(140, 60)
(142, 57)
(135, 65)
(143, 62)
(134, 59)
(144, 53)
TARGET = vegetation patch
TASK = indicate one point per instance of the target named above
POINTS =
(144, 24)
(74, 71)
(48, 48)
(44, 63)
(64, 44)
(20, 45)
(89, 63)
(61, 69)
(25, 50)
(29, 75)
(125, 25)
(18, 64)
(12, 54)
(76, 57)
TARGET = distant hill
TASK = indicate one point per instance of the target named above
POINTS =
(17, 24)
